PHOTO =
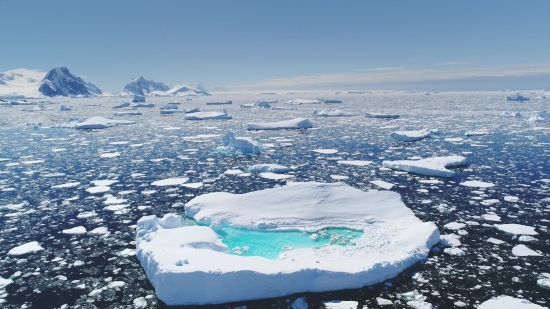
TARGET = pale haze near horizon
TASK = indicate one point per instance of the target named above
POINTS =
(285, 45)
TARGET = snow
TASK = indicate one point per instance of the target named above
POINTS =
(477, 184)
(22, 83)
(333, 113)
(523, 250)
(508, 302)
(297, 123)
(435, 166)
(233, 143)
(542, 116)
(271, 168)
(30, 247)
(207, 115)
(379, 115)
(170, 182)
(517, 229)
(75, 230)
(189, 265)
(410, 136)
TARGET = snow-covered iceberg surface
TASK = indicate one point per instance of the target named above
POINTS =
(296, 123)
(332, 113)
(379, 115)
(508, 302)
(435, 166)
(234, 144)
(94, 123)
(542, 116)
(207, 115)
(517, 97)
(411, 136)
(190, 265)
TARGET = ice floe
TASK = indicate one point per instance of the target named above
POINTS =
(380, 115)
(30, 247)
(517, 229)
(523, 250)
(268, 168)
(232, 143)
(174, 257)
(297, 123)
(207, 115)
(477, 184)
(435, 166)
(170, 182)
(411, 136)
(508, 302)
(333, 113)
(94, 123)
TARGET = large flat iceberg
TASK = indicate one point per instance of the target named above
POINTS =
(411, 136)
(435, 166)
(333, 113)
(297, 123)
(207, 115)
(189, 265)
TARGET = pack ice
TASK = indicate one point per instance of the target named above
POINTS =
(233, 143)
(296, 123)
(94, 123)
(189, 265)
(435, 166)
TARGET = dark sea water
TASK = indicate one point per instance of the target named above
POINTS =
(78, 271)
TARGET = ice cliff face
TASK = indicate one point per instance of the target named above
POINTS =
(60, 82)
(142, 86)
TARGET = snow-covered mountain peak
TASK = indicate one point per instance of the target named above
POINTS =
(60, 81)
(142, 86)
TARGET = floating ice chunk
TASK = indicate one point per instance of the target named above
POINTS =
(220, 103)
(511, 199)
(271, 168)
(121, 105)
(170, 182)
(544, 283)
(454, 226)
(354, 162)
(339, 177)
(207, 115)
(542, 116)
(75, 230)
(517, 97)
(5, 282)
(332, 101)
(383, 302)
(454, 251)
(128, 113)
(379, 115)
(240, 144)
(104, 182)
(476, 133)
(86, 214)
(419, 304)
(341, 304)
(98, 189)
(382, 184)
(30, 247)
(495, 241)
(275, 176)
(477, 184)
(297, 123)
(411, 136)
(302, 101)
(450, 240)
(510, 114)
(517, 229)
(233, 172)
(99, 231)
(491, 217)
(326, 151)
(193, 185)
(454, 139)
(109, 154)
(435, 166)
(393, 240)
(523, 250)
(333, 113)
(98, 123)
(525, 238)
(299, 303)
(66, 108)
(67, 185)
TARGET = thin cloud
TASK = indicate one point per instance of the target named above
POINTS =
(454, 63)
(392, 75)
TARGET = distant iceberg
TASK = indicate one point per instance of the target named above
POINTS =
(435, 166)
(542, 116)
(122, 105)
(411, 136)
(220, 103)
(517, 97)
(302, 101)
(234, 144)
(66, 108)
(170, 109)
(93, 123)
(333, 113)
(332, 101)
(297, 123)
(379, 115)
(138, 98)
(207, 115)
(510, 114)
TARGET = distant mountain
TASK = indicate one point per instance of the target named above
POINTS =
(141, 86)
(181, 90)
(207, 87)
(60, 82)
(21, 83)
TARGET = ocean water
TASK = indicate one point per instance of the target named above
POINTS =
(76, 270)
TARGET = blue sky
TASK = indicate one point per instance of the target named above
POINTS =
(284, 44)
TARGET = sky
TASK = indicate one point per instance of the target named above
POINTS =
(285, 45)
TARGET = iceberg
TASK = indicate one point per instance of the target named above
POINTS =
(219, 103)
(517, 97)
(296, 123)
(508, 302)
(122, 105)
(411, 136)
(302, 101)
(435, 166)
(268, 168)
(262, 104)
(283, 108)
(94, 123)
(332, 113)
(232, 143)
(136, 105)
(510, 114)
(190, 265)
(542, 116)
(207, 115)
(66, 108)
(128, 114)
(138, 98)
(379, 115)
(332, 101)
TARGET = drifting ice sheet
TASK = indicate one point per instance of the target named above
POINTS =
(436, 166)
(297, 123)
(202, 272)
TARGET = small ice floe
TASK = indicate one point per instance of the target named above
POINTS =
(234, 144)
(30, 247)
(75, 230)
(302, 101)
(495, 241)
(95, 123)
(543, 283)
(411, 136)
(66, 108)
(476, 133)
(454, 226)
(207, 115)
(491, 217)
(98, 189)
(542, 116)
(326, 151)
(99, 231)
(354, 162)
(128, 114)
(67, 185)
(511, 199)
(109, 154)
(121, 105)
(341, 304)
(379, 115)
(454, 139)
(383, 302)
(233, 172)
(297, 123)
(517, 229)
(517, 97)
(523, 250)
(382, 184)
(170, 182)
(268, 168)
(510, 114)
(508, 302)
(454, 251)
(339, 177)
(525, 238)
(450, 240)
(220, 103)
(477, 184)
(333, 113)
(435, 166)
